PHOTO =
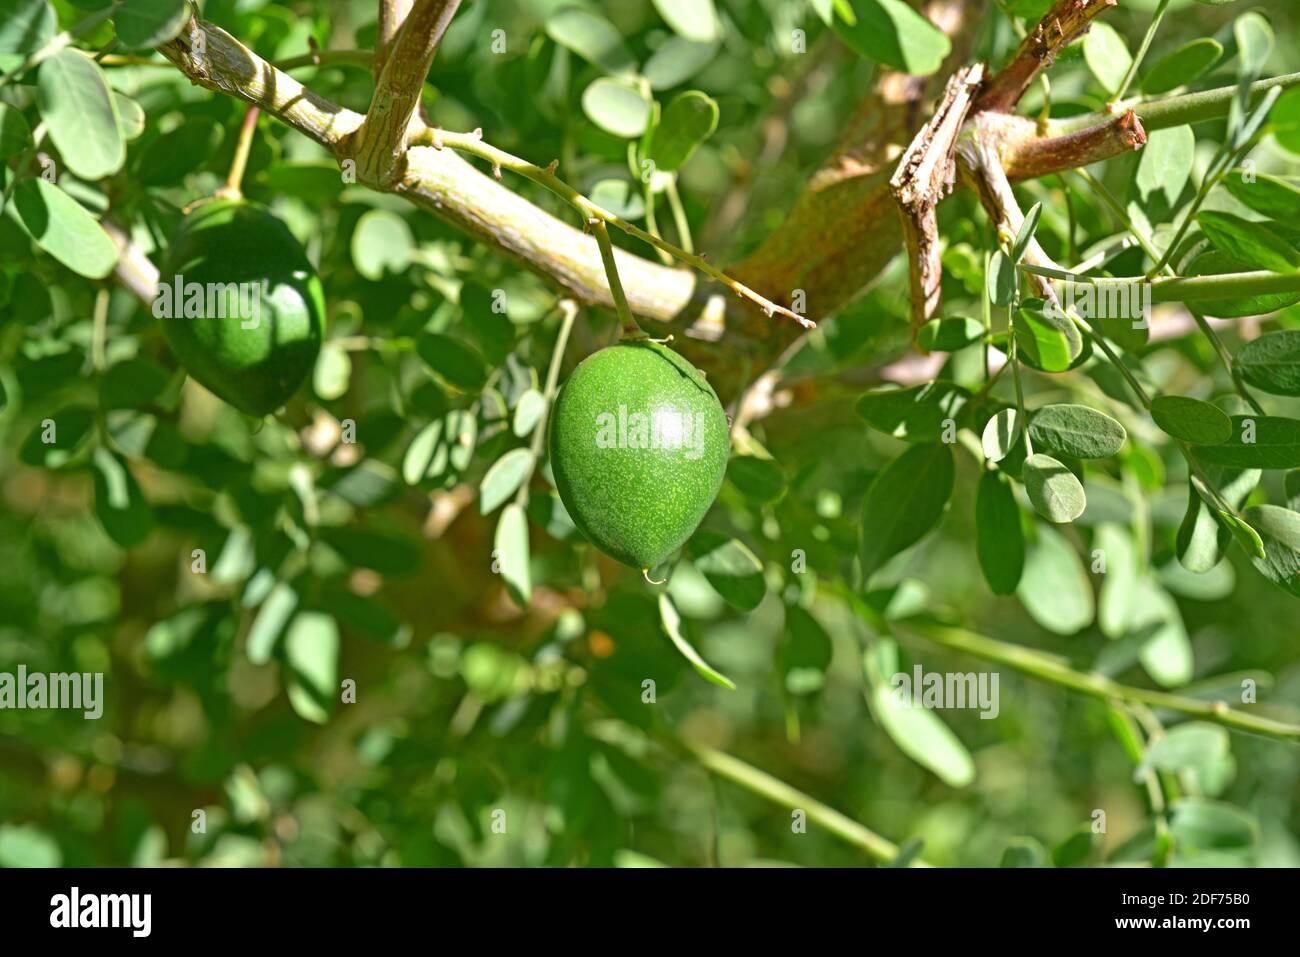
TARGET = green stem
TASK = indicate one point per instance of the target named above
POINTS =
(568, 311)
(627, 322)
(1131, 74)
(773, 789)
(1184, 289)
(679, 215)
(1054, 670)
(233, 188)
(1171, 111)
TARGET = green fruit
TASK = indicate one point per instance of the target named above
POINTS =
(639, 446)
(241, 306)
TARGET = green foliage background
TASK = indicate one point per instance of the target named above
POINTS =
(371, 563)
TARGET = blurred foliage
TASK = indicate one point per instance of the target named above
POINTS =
(300, 621)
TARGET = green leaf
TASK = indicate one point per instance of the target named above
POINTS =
(1076, 431)
(1198, 824)
(687, 122)
(1286, 121)
(1185, 65)
(513, 554)
(1272, 363)
(1202, 539)
(903, 503)
(142, 24)
(385, 552)
(366, 617)
(730, 567)
(15, 134)
(1250, 243)
(1271, 196)
(68, 432)
(1002, 280)
(758, 479)
(618, 196)
(1001, 434)
(1166, 652)
(1119, 584)
(672, 626)
(26, 25)
(1279, 530)
(592, 37)
(81, 114)
(1075, 850)
(1187, 747)
(119, 504)
(22, 845)
(1050, 341)
(999, 538)
(617, 106)
(1026, 234)
(504, 478)
(1055, 492)
(892, 33)
(1023, 852)
(382, 241)
(805, 651)
(1107, 55)
(270, 622)
(1291, 488)
(919, 413)
(458, 364)
(59, 225)
(528, 412)
(676, 61)
(918, 732)
(690, 19)
(1055, 588)
(311, 654)
(1257, 442)
(173, 156)
(1164, 167)
(949, 335)
(1191, 420)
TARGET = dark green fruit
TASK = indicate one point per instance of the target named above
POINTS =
(241, 306)
(639, 446)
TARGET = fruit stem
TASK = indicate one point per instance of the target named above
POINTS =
(626, 320)
(233, 189)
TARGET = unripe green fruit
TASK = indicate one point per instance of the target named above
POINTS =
(638, 446)
(241, 306)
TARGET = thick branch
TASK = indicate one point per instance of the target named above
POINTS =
(380, 146)
(1027, 154)
(213, 59)
(392, 14)
(925, 176)
(1062, 25)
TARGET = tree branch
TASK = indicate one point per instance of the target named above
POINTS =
(925, 175)
(392, 14)
(379, 145)
(1053, 669)
(1062, 25)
